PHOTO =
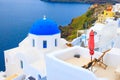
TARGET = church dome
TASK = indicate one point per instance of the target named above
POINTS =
(44, 27)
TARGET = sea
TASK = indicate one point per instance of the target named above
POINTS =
(17, 17)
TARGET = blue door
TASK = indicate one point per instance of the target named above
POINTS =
(44, 44)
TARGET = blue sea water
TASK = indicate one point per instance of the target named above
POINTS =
(17, 17)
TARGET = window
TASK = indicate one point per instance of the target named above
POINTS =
(21, 63)
(44, 44)
(33, 43)
(56, 42)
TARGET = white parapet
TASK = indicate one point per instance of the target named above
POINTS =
(58, 69)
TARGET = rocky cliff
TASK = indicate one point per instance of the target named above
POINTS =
(84, 21)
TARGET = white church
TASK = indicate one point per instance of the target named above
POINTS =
(28, 57)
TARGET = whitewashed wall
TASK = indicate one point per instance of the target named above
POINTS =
(12, 63)
(32, 71)
(57, 69)
(70, 52)
(112, 58)
(49, 38)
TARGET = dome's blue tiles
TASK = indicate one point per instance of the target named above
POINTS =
(44, 27)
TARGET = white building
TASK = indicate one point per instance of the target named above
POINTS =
(116, 7)
(106, 35)
(28, 57)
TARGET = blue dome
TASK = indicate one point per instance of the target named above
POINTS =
(44, 27)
